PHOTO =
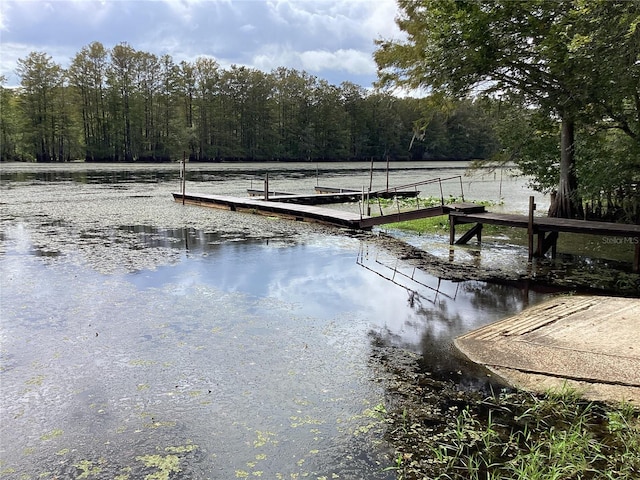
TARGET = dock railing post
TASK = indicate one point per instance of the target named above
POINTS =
(266, 186)
(387, 172)
(371, 175)
(183, 174)
(530, 230)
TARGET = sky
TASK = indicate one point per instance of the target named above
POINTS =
(330, 39)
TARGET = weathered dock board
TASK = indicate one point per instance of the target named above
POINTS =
(265, 207)
(317, 214)
(589, 343)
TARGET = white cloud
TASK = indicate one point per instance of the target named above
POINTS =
(4, 12)
(10, 53)
(333, 39)
(352, 61)
(380, 20)
(315, 61)
(187, 10)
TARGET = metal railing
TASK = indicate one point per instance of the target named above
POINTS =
(366, 196)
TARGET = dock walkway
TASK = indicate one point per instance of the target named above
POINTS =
(266, 207)
(589, 343)
(303, 208)
(302, 212)
(547, 230)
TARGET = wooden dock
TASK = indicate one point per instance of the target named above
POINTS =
(547, 230)
(266, 207)
(301, 212)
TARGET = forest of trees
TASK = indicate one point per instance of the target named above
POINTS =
(124, 105)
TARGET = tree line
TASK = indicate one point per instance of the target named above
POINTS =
(125, 105)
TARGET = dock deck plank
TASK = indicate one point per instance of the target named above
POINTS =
(548, 225)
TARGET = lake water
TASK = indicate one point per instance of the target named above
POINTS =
(145, 339)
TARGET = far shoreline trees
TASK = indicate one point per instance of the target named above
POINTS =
(126, 105)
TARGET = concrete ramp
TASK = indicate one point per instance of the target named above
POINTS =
(589, 343)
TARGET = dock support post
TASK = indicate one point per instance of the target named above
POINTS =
(636, 257)
(266, 186)
(530, 231)
(387, 172)
(546, 242)
(452, 229)
(476, 231)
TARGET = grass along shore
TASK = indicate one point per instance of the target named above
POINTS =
(440, 432)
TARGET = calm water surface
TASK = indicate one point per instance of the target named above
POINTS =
(144, 339)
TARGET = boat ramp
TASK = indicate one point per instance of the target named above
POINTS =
(585, 343)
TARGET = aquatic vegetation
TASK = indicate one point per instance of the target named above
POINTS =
(264, 438)
(515, 435)
(51, 435)
(165, 465)
(142, 363)
(87, 468)
(158, 424)
(297, 421)
(182, 448)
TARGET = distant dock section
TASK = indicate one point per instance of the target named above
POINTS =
(328, 195)
(386, 193)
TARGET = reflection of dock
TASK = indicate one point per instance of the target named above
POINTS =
(410, 281)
